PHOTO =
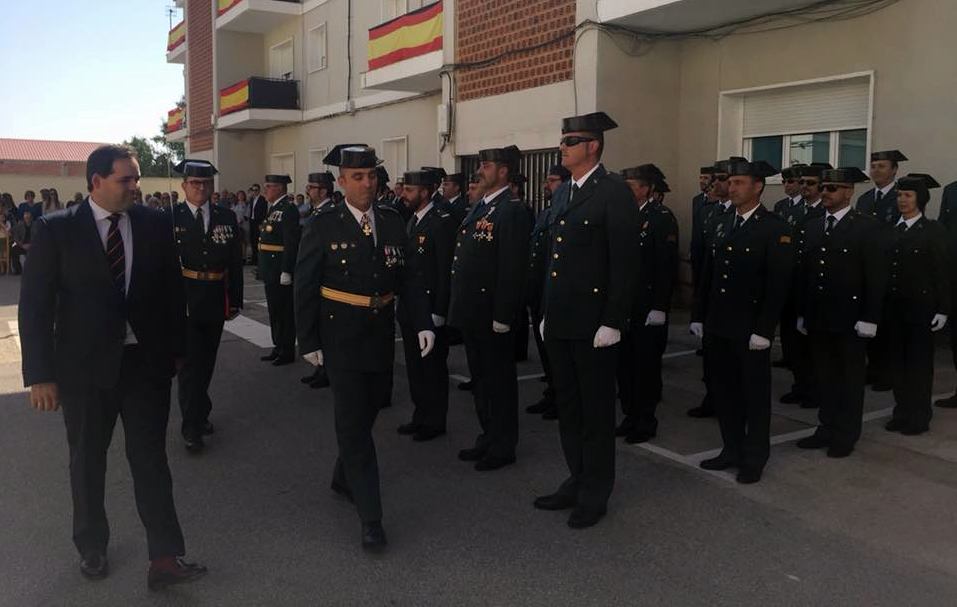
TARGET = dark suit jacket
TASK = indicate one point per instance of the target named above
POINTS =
(948, 217)
(590, 280)
(257, 213)
(429, 261)
(919, 284)
(657, 266)
(73, 318)
(886, 211)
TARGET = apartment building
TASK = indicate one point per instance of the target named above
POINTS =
(688, 81)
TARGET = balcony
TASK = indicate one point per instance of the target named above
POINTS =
(176, 44)
(259, 103)
(405, 54)
(255, 16)
(676, 16)
(176, 125)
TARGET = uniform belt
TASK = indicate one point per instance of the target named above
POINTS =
(278, 248)
(362, 301)
(212, 276)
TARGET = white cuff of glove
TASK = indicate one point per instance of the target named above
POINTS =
(938, 322)
(799, 326)
(499, 327)
(541, 328)
(696, 329)
(314, 358)
(285, 279)
(426, 342)
(865, 329)
(758, 343)
(656, 318)
(606, 336)
(438, 321)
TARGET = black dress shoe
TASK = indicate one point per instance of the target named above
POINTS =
(320, 380)
(408, 429)
(555, 501)
(373, 537)
(810, 404)
(791, 398)
(307, 379)
(814, 441)
(194, 443)
(626, 426)
(539, 407)
(551, 414)
(721, 462)
(341, 490)
(582, 518)
(270, 357)
(208, 429)
(492, 462)
(640, 435)
(471, 455)
(895, 425)
(947, 403)
(701, 411)
(781, 364)
(748, 476)
(94, 566)
(283, 359)
(881, 386)
(839, 452)
(162, 574)
(914, 430)
(699, 352)
(426, 434)
(466, 385)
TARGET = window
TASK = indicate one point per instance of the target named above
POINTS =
(396, 8)
(395, 156)
(317, 48)
(852, 149)
(839, 148)
(315, 160)
(284, 164)
(281, 64)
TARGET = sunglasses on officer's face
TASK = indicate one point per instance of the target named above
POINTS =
(791, 181)
(833, 187)
(573, 140)
(809, 182)
(722, 177)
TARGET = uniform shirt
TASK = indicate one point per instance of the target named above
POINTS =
(884, 190)
(205, 207)
(358, 215)
(796, 200)
(838, 216)
(745, 217)
(493, 195)
(813, 205)
(581, 182)
(102, 218)
(420, 214)
(910, 222)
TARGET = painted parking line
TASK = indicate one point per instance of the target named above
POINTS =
(251, 330)
(14, 327)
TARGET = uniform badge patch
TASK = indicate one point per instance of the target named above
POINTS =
(785, 240)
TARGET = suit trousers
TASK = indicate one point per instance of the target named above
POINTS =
(639, 375)
(428, 378)
(839, 373)
(142, 399)
(358, 396)
(520, 331)
(254, 241)
(585, 393)
(282, 319)
(912, 361)
(789, 334)
(202, 344)
(491, 359)
(878, 353)
(740, 381)
(549, 394)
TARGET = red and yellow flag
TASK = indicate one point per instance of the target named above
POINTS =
(410, 35)
(234, 98)
(176, 120)
(224, 5)
(177, 36)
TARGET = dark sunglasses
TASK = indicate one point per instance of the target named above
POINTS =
(722, 177)
(833, 187)
(807, 182)
(573, 140)
(791, 181)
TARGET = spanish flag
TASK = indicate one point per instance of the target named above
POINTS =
(224, 5)
(234, 98)
(410, 35)
(177, 36)
(176, 120)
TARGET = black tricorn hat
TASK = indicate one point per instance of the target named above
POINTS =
(758, 169)
(323, 179)
(422, 178)
(456, 177)
(912, 182)
(437, 172)
(722, 166)
(815, 169)
(508, 155)
(517, 179)
(380, 172)
(663, 187)
(475, 178)
(283, 179)
(560, 171)
(892, 155)
(792, 172)
(195, 168)
(708, 170)
(645, 172)
(596, 122)
(844, 175)
(352, 156)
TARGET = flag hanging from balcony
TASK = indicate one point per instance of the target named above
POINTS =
(176, 120)
(224, 5)
(177, 36)
(410, 35)
(234, 98)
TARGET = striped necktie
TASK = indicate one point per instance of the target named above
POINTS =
(115, 253)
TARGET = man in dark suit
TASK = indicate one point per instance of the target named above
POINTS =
(792, 209)
(948, 217)
(488, 276)
(587, 301)
(319, 189)
(278, 246)
(453, 189)
(207, 241)
(744, 285)
(881, 201)
(656, 269)
(698, 204)
(257, 214)
(103, 325)
(429, 263)
(840, 294)
(352, 264)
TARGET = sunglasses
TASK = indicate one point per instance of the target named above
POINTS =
(833, 187)
(573, 140)
(808, 182)
(722, 177)
(791, 181)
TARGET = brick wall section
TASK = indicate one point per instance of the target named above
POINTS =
(199, 71)
(36, 167)
(486, 28)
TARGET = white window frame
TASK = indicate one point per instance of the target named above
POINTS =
(387, 7)
(290, 42)
(834, 151)
(395, 171)
(310, 48)
(319, 153)
(292, 174)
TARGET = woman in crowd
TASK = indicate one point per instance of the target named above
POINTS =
(241, 209)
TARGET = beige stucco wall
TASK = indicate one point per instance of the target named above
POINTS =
(16, 185)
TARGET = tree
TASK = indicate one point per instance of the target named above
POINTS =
(152, 162)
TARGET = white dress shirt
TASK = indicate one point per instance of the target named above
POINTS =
(746, 216)
(796, 200)
(910, 222)
(421, 213)
(358, 215)
(205, 206)
(838, 215)
(884, 190)
(102, 218)
(490, 197)
(581, 182)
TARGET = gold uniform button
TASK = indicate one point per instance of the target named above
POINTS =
(554, 274)
(562, 222)
(559, 239)
(555, 255)
(595, 289)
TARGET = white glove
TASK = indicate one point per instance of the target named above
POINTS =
(799, 325)
(499, 327)
(865, 329)
(438, 321)
(758, 343)
(656, 318)
(541, 328)
(938, 322)
(285, 279)
(696, 329)
(426, 342)
(606, 336)
(314, 358)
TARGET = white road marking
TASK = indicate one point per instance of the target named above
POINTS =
(14, 326)
(251, 330)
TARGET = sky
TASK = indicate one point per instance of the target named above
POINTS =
(90, 70)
